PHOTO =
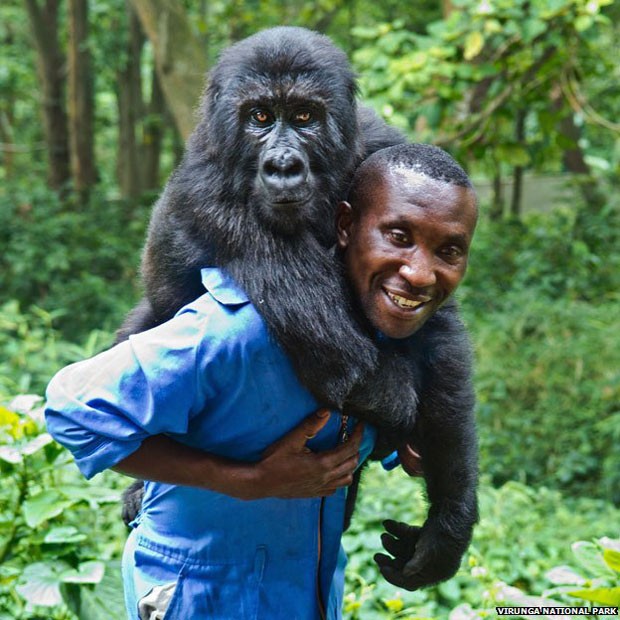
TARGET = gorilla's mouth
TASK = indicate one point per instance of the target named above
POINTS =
(290, 202)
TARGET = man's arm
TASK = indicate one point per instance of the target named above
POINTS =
(287, 469)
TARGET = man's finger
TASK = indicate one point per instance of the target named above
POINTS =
(315, 422)
(296, 439)
(344, 451)
(357, 434)
(410, 460)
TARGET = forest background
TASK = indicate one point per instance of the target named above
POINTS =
(97, 98)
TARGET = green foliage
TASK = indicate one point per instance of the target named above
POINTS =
(32, 350)
(74, 260)
(549, 410)
(564, 254)
(597, 577)
(468, 78)
(541, 300)
(60, 537)
(522, 535)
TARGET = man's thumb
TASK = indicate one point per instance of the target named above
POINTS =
(296, 439)
(314, 423)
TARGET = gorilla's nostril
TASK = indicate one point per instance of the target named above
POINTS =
(283, 163)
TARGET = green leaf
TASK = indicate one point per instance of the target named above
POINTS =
(92, 494)
(604, 596)
(473, 44)
(612, 559)
(565, 575)
(583, 22)
(513, 154)
(106, 599)
(87, 572)
(42, 584)
(44, 506)
(10, 454)
(60, 535)
(590, 557)
(36, 444)
(532, 28)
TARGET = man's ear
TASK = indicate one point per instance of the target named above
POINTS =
(344, 221)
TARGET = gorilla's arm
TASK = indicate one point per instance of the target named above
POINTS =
(445, 435)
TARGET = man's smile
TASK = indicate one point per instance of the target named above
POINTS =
(406, 302)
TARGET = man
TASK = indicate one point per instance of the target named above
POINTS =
(243, 514)
(404, 238)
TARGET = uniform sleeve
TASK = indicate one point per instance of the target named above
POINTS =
(103, 408)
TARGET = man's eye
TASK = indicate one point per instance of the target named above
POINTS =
(303, 116)
(398, 236)
(262, 117)
(452, 252)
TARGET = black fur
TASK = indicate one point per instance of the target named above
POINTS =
(261, 204)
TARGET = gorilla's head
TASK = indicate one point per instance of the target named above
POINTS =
(279, 118)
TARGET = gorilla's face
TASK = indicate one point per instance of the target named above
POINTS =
(282, 116)
(286, 137)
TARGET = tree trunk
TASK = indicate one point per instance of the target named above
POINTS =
(517, 177)
(497, 201)
(573, 157)
(7, 116)
(179, 57)
(130, 112)
(81, 99)
(152, 133)
(51, 70)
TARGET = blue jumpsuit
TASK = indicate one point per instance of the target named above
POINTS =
(212, 378)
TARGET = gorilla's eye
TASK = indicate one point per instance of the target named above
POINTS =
(303, 116)
(262, 117)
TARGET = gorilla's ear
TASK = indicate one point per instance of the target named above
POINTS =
(344, 222)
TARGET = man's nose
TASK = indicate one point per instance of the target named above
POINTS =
(418, 271)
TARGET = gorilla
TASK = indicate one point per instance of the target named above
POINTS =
(278, 139)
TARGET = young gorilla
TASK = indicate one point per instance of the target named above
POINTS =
(203, 406)
(278, 140)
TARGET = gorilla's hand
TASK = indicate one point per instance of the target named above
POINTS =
(421, 556)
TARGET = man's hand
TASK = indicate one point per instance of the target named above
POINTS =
(289, 469)
(410, 460)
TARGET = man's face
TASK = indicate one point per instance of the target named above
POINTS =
(406, 250)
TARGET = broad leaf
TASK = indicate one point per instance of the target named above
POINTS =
(42, 584)
(44, 506)
(604, 596)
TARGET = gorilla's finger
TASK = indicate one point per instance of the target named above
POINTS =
(401, 530)
(396, 578)
(382, 561)
(397, 548)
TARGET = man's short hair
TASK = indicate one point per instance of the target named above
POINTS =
(426, 159)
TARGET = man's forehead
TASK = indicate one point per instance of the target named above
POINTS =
(402, 191)
(411, 184)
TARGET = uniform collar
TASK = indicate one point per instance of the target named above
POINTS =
(222, 287)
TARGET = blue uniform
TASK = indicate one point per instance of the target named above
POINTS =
(212, 378)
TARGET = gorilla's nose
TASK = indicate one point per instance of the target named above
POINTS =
(284, 171)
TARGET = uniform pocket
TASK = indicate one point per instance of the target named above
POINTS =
(227, 590)
(156, 603)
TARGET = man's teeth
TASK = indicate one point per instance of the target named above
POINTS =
(403, 302)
